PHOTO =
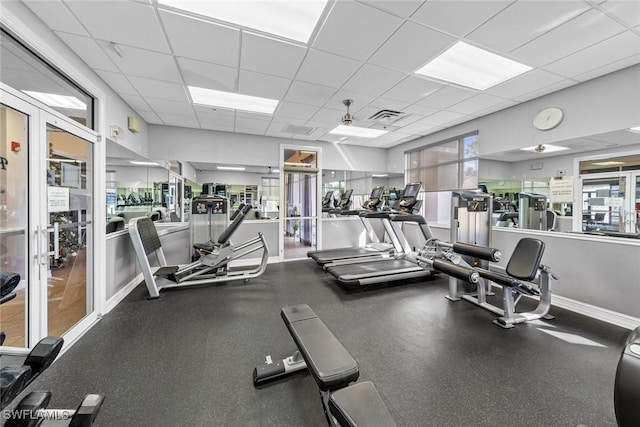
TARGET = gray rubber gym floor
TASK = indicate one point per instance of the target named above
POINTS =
(187, 359)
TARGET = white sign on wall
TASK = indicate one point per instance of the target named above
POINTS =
(58, 199)
(561, 190)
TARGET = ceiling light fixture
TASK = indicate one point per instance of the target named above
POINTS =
(357, 131)
(473, 67)
(55, 100)
(544, 148)
(138, 162)
(635, 129)
(379, 175)
(230, 168)
(608, 163)
(293, 20)
(231, 100)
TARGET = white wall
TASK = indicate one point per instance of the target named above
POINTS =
(231, 178)
(494, 169)
(196, 145)
(604, 104)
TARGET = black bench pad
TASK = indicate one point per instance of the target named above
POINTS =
(626, 393)
(330, 364)
(360, 405)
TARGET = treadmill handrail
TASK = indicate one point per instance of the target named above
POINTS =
(408, 217)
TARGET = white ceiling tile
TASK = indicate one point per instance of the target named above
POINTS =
(360, 101)
(402, 8)
(608, 51)
(416, 128)
(475, 104)
(163, 106)
(326, 69)
(328, 116)
(57, 17)
(609, 68)
(355, 30)
(127, 23)
(443, 118)
(412, 89)
(200, 40)
(253, 116)
(179, 120)
(134, 101)
(249, 131)
(295, 111)
(217, 121)
(159, 89)
(577, 34)
(410, 47)
(90, 52)
(252, 123)
(117, 82)
(309, 94)
(523, 21)
(446, 96)
(266, 86)
(373, 80)
(207, 75)
(627, 11)
(269, 56)
(524, 83)
(149, 116)
(144, 63)
(546, 90)
(420, 110)
(223, 127)
(214, 112)
(457, 17)
(277, 129)
(389, 104)
(407, 120)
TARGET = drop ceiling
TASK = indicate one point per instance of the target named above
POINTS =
(365, 50)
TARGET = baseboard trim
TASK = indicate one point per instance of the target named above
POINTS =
(122, 293)
(609, 316)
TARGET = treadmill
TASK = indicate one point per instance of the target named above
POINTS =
(376, 248)
(364, 273)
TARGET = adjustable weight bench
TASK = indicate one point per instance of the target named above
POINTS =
(212, 267)
(333, 369)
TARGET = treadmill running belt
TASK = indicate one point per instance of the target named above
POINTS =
(329, 255)
(394, 268)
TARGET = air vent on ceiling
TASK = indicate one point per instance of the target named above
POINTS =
(386, 116)
(298, 130)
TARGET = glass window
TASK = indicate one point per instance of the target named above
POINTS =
(25, 71)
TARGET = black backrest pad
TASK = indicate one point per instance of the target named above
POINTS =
(360, 405)
(626, 393)
(148, 235)
(330, 364)
(526, 258)
(228, 232)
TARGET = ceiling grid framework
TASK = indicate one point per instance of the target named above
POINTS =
(365, 50)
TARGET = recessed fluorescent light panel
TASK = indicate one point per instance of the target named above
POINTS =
(60, 101)
(136, 162)
(635, 129)
(357, 131)
(608, 163)
(293, 20)
(379, 175)
(233, 101)
(473, 67)
(230, 168)
(548, 148)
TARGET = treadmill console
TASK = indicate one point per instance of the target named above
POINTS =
(374, 199)
(409, 197)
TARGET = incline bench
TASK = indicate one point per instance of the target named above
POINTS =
(333, 369)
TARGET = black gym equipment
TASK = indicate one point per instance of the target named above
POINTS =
(626, 393)
(8, 282)
(18, 371)
(342, 204)
(32, 411)
(211, 267)
(333, 369)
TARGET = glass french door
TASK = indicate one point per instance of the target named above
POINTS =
(611, 202)
(46, 223)
(299, 193)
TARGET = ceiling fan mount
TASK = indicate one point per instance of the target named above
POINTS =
(540, 148)
(347, 119)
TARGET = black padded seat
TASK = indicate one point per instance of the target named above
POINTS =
(328, 361)
(626, 394)
(360, 405)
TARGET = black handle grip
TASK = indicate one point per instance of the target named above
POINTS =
(457, 271)
(482, 252)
